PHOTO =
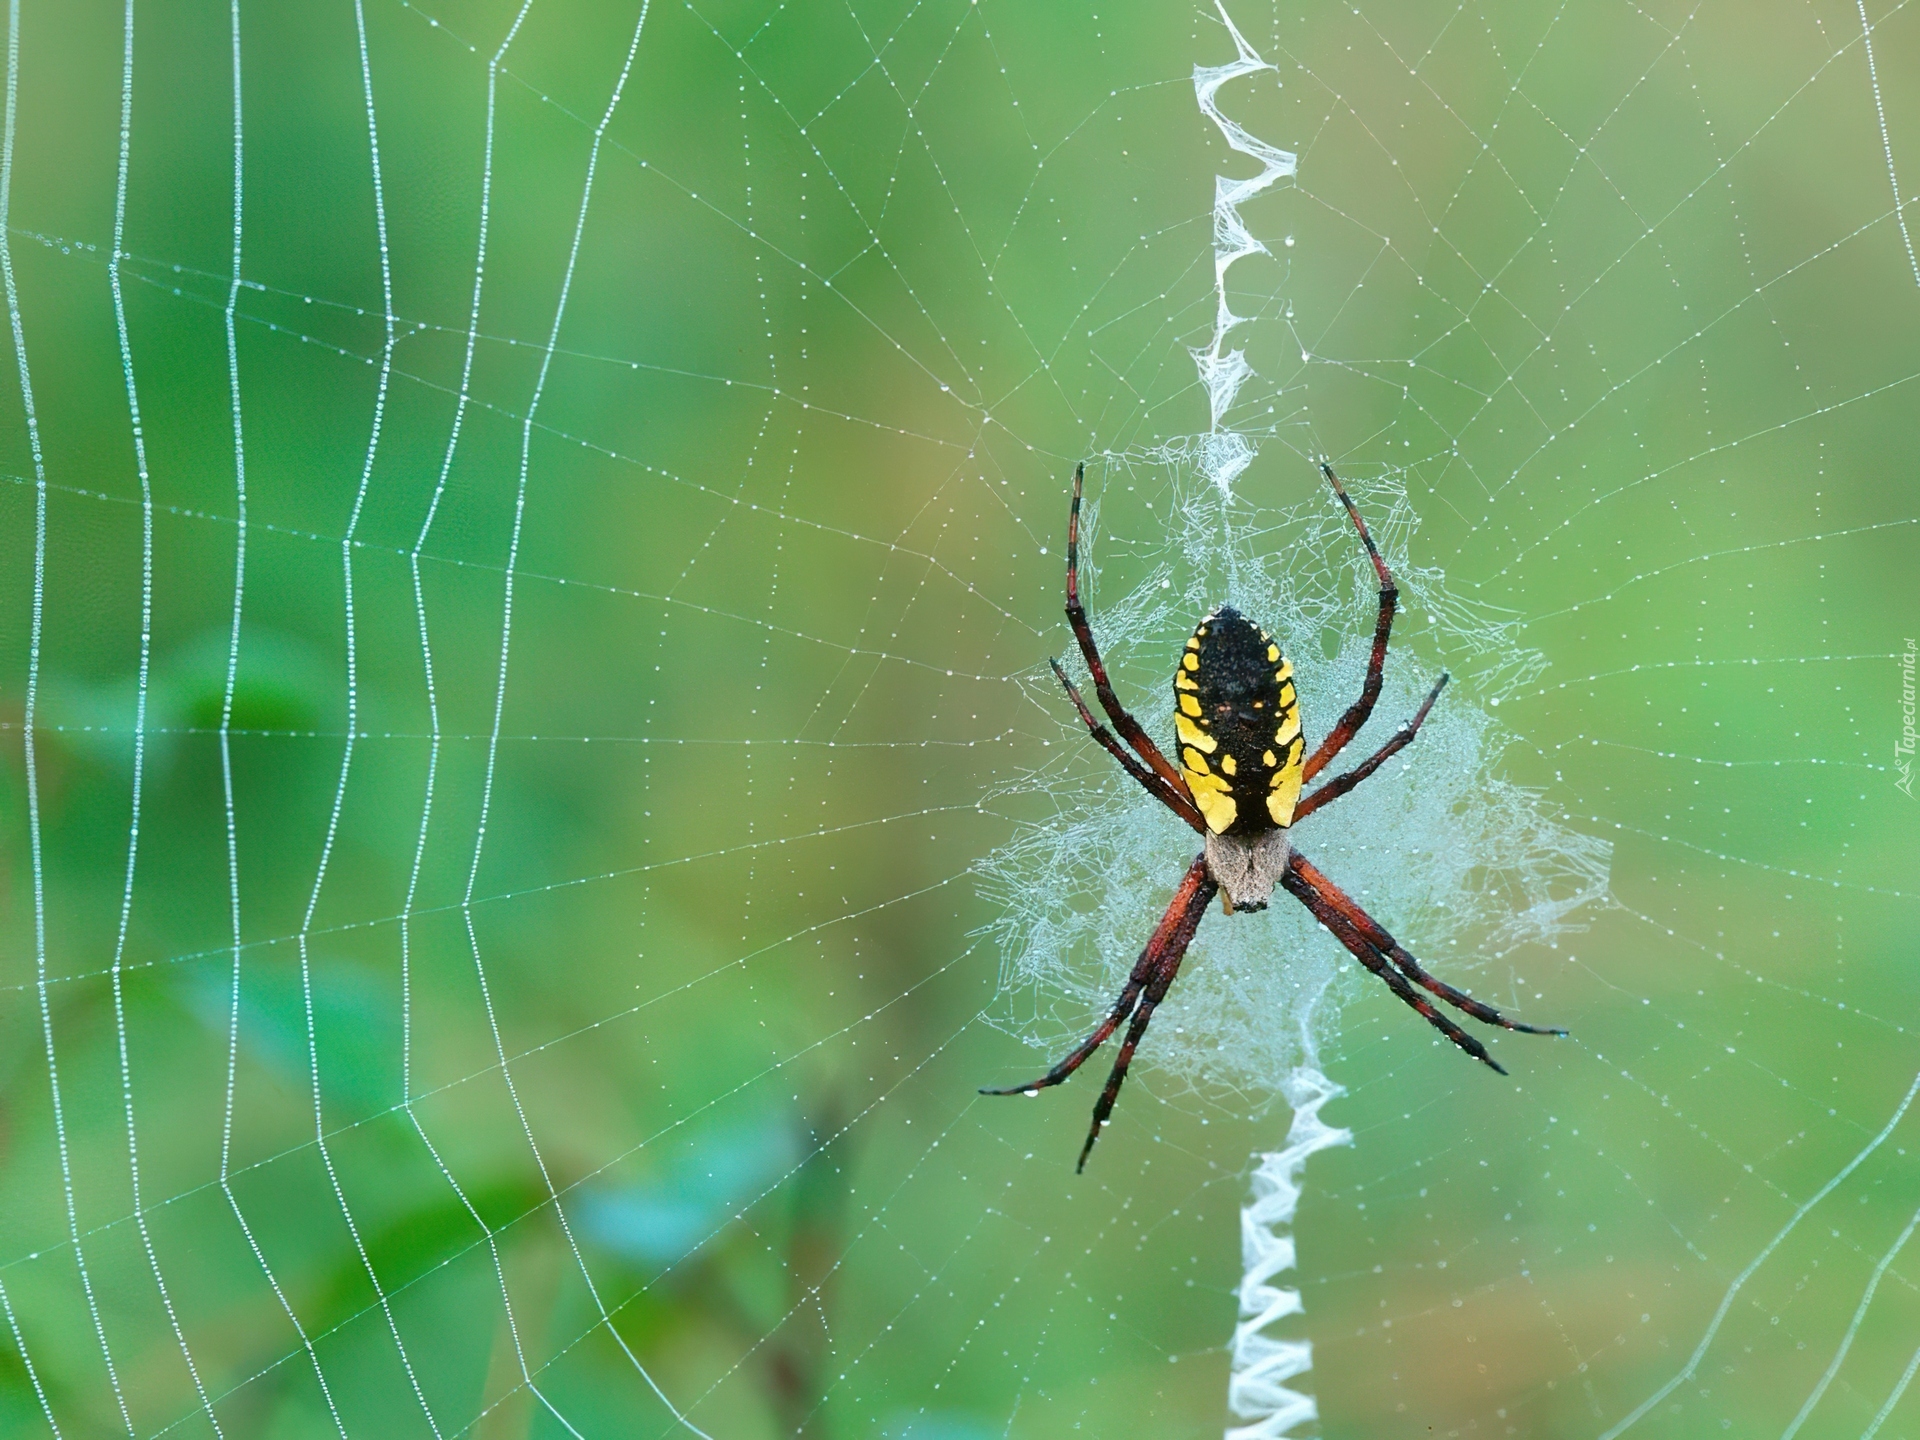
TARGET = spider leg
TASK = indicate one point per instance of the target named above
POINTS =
(1403, 737)
(1128, 727)
(1156, 992)
(1143, 969)
(1177, 936)
(1150, 782)
(1367, 955)
(1152, 973)
(1376, 936)
(1358, 712)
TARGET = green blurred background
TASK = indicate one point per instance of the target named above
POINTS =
(765, 440)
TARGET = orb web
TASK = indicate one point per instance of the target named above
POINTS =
(533, 799)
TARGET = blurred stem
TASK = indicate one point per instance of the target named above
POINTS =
(797, 1360)
(532, 1280)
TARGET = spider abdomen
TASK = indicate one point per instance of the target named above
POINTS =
(1237, 718)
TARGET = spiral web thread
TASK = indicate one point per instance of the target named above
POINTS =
(1264, 1363)
(1227, 453)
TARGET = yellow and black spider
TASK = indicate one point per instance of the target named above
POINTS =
(1237, 719)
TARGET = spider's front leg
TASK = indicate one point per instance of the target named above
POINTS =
(1175, 801)
(1358, 712)
(1403, 737)
(1130, 729)
(1146, 987)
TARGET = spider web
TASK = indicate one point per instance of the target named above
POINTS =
(534, 796)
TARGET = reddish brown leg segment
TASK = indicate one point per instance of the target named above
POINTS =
(1156, 992)
(1173, 937)
(1358, 712)
(1403, 737)
(1344, 931)
(1152, 974)
(1150, 782)
(1376, 936)
(1123, 722)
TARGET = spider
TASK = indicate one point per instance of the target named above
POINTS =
(1243, 762)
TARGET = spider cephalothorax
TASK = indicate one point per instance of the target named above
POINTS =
(1242, 764)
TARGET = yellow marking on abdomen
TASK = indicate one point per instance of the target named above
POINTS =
(1209, 791)
(1189, 705)
(1283, 792)
(1218, 809)
(1192, 734)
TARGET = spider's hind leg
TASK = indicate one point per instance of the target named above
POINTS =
(1348, 935)
(1376, 936)
(1153, 973)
